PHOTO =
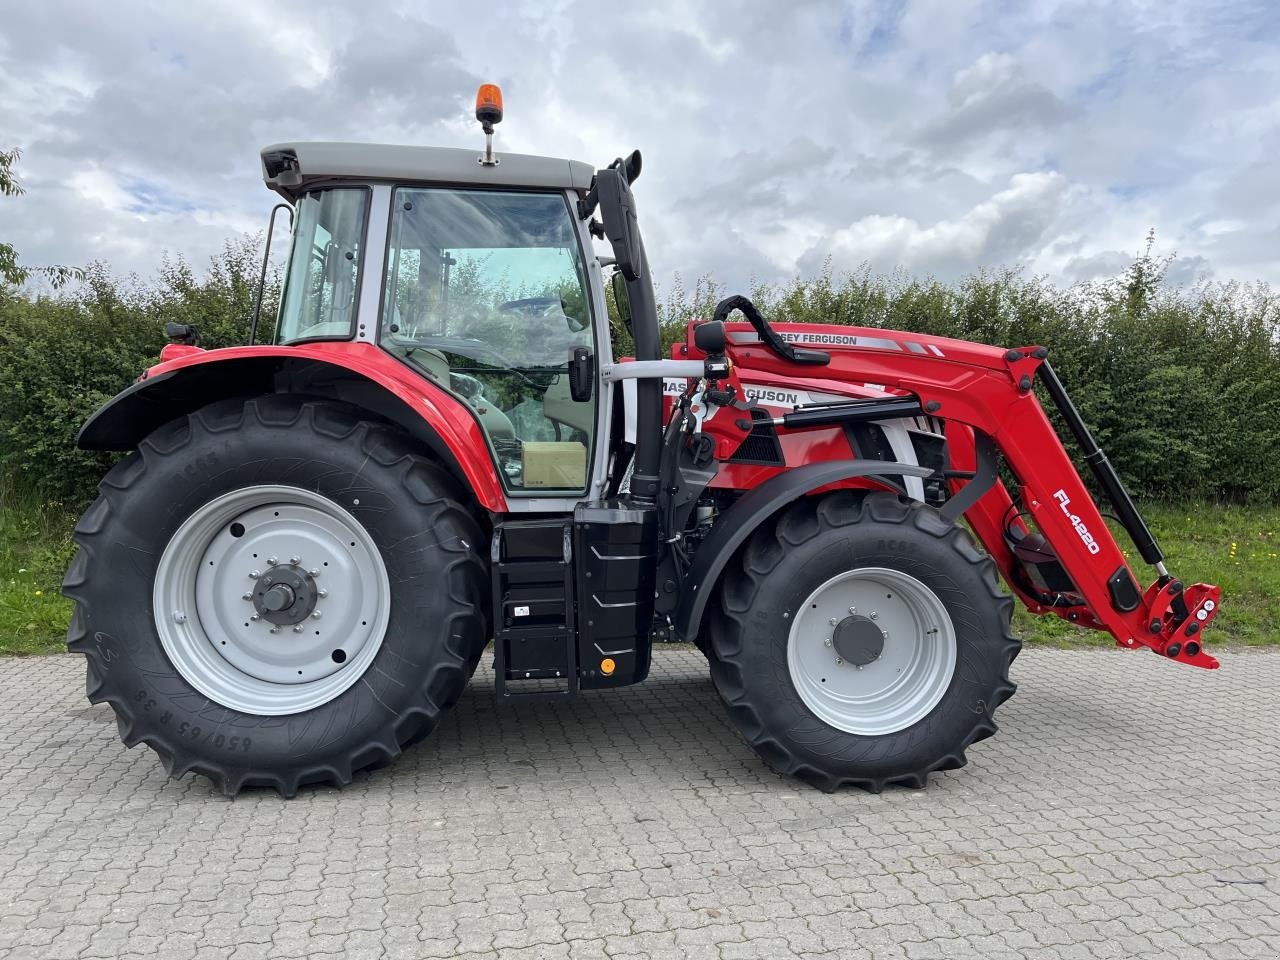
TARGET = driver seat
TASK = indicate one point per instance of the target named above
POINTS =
(495, 422)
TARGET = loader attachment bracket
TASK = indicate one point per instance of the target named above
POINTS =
(1178, 618)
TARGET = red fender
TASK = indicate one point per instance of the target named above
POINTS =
(188, 378)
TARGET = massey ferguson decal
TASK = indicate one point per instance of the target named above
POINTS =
(842, 340)
(1081, 530)
(755, 393)
(775, 396)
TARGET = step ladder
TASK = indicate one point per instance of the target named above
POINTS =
(535, 640)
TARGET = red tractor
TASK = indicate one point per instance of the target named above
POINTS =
(295, 570)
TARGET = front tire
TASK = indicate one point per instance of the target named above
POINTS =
(277, 592)
(862, 640)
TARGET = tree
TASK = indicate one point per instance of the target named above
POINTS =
(11, 271)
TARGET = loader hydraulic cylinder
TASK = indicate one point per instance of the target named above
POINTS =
(1103, 471)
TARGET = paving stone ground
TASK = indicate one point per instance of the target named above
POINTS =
(1127, 808)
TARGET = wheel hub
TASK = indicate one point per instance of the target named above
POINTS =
(858, 640)
(285, 596)
(271, 600)
(871, 651)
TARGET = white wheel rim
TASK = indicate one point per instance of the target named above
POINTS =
(219, 627)
(832, 651)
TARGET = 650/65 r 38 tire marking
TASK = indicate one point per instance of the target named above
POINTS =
(364, 521)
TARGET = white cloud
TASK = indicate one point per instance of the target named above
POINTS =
(99, 189)
(939, 136)
(995, 231)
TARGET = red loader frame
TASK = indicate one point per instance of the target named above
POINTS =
(986, 392)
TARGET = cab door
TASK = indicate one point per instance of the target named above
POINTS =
(486, 294)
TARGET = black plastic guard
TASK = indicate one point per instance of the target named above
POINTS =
(741, 520)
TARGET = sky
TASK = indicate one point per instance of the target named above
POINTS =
(934, 137)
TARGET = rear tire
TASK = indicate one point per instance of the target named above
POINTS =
(395, 567)
(878, 705)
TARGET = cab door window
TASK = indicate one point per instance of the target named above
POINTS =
(486, 294)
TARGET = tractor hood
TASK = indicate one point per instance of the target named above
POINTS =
(291, 169)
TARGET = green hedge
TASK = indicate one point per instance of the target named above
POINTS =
(63, 356)
(1182, 386)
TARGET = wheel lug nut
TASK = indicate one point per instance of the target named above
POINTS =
(874, 615)
(315, 615)
(254, 574)
(826, 642)
(294, 561)
(272, 561)
(275, 629)
(313, 572)
(833, 621)
(298, 628)
(247, 596)
(254, 616)
(853, 609)
(838, 660)
(322, 593)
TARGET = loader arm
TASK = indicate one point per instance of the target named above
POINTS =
(983, 390)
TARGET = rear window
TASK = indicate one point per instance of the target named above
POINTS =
(321, 285)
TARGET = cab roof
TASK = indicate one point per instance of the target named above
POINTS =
(291, 169)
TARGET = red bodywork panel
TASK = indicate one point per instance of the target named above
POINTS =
(448, 416)
(971, 387)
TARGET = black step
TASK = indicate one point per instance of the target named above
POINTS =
(535, 644)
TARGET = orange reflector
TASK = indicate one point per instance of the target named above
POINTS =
(488, 103)
(607, 666)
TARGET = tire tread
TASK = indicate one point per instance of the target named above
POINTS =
(797, 526)
(466, 577)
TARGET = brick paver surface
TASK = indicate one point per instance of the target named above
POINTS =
(1127, 808)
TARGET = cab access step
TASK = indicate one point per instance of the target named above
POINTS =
(560, 625)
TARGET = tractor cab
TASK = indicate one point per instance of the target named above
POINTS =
(478, 277)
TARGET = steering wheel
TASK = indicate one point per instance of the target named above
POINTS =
(502, 366)
(542, 306)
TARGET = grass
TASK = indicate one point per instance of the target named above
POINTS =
(1236, 547)
(35, 548)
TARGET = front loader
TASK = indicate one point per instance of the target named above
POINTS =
(295, 568)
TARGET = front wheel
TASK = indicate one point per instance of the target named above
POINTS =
(878, 651)
(277, 592)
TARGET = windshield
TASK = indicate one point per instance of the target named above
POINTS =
(324, 266)
(486, 294)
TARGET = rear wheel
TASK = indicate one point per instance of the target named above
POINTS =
(276, 593)
(879, 650)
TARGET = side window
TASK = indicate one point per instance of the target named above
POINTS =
(486, 294)
(324, 265)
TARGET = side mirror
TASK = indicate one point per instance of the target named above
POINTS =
(582, 371)
(631, 166)
(619, 286)
(618, 210)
